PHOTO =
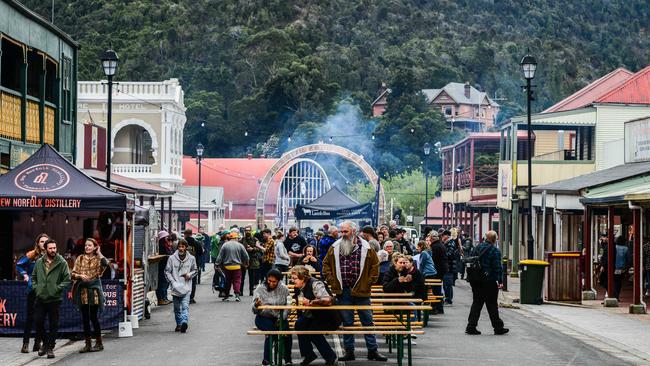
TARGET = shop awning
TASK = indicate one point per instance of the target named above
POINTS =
(47, 181)
(631, 189)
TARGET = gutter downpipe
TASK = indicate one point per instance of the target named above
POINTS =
(637, 306)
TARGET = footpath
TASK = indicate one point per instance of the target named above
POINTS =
(611, 330)
(10, 346)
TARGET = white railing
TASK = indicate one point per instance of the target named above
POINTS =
(168, 89)
(131, 168)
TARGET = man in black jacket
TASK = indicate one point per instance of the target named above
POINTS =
(486, 291)
(439, 256)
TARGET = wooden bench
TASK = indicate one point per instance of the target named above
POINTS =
(396, 332)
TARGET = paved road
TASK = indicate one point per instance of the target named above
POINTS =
(217, 337)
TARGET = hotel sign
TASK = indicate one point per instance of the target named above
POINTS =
(637, 140)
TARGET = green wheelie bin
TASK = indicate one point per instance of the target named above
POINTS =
(532, 280)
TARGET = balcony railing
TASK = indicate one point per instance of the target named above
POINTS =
(131, 168)
(486, 176)
(559, 155)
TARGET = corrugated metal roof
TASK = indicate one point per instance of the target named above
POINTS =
(240, 179)
(574, 185)
(592, 91)
(635, 90)
(129, 183)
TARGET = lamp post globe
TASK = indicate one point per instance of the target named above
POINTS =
(199, 156)
(426, 148)
(109, 61)
(199, 150)
(528, 67)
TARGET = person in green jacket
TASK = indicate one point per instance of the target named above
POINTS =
(50, 277)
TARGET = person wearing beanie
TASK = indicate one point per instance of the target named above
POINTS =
(180, 270)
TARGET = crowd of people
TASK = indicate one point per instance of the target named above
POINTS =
(338, 265)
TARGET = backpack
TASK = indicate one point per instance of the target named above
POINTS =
(475, 270)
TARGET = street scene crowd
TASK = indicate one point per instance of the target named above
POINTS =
(337, 266)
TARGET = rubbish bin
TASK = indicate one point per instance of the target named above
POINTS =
(532, 280)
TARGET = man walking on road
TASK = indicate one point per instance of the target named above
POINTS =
(486, 290)
(181, 269)
(351, 266)
(233, 257)
(50, 277)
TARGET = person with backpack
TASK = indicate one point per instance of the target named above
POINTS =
(484, 274)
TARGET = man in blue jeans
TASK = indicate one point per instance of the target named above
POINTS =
(351, 266)
(181, 268)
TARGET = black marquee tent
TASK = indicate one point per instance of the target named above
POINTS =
(47, 181)
(333, 204)
(47, 193)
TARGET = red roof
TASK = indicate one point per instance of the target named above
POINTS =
(635, 90)
(592, 92)
(240, 179)
(434, 209)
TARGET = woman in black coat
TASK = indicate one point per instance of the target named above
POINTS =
(404, 277)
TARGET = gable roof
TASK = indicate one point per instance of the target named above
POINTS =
(635, 90)
(456, 91)
(592, 91)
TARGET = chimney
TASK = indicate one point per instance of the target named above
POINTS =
(250, 156)
(468, 90)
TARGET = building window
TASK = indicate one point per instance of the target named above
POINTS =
(447, 110)
(66, 74)
(66, 81)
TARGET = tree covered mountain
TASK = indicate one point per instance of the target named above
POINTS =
(279, 68)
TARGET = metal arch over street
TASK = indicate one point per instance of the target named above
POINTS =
(320, 147)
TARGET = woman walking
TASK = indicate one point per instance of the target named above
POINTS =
(87, 292)
(25, 268)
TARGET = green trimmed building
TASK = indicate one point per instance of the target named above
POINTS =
(38, 85)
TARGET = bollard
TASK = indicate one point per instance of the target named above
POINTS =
(504, 264)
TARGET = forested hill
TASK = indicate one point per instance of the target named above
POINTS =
(269, 66)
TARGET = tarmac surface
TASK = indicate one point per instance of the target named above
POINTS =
(217, 336)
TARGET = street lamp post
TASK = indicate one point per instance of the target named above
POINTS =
(109, 64)
(427, 151)
(528, 66)
(199, 156)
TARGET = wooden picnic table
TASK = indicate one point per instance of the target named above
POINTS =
(402, 310)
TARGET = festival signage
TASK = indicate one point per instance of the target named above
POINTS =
(637, 140)
(13, 312)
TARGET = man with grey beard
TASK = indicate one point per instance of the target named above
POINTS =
(351, 266)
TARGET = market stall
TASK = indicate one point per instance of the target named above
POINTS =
(47, 194)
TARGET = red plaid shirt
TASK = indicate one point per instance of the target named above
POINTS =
(350, 267)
